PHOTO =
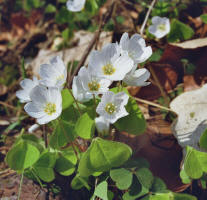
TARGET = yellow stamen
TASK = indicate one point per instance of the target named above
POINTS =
(110, 108)
(108, 69)
(162, 27)
(50, 108)
(94, 86)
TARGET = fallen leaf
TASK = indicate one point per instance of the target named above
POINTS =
(192, 116)
(192, 44)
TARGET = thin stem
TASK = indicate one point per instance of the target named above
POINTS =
(163, 93)
(45, 136)
(147, 16)
(153, 104)
(39, 181)
(76, 102)
(94, 99)
(20, 185)
(76, 153)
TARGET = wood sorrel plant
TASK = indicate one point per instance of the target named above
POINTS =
(75, 114)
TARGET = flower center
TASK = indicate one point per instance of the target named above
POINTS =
(50, 108)
(110, 108)
(93, 86)
(60, 77)
(108, 69)
(162, 27)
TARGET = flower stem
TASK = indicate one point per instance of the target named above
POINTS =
(76, 102)
(20, 185)
(39, 181)
(72, 145)
(94, 99)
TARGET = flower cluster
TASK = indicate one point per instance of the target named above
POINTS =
(114, 62)
(43, 97)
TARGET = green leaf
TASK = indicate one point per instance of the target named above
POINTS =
(85, 126)
(66, 162)
(169, 196)
(137, 163)
(78, 182)
(101, 190)
(179, 31)
(158, 185)
(145, 177)
(44, 166)
(122, 178)
(102, 155)
(135, 191)
(184, 177)
(63, 134)
(204, 18)
(195, 163)
(179, 196)
(134, 123)
(67, 99)
(203, 140)
(22, 155)
(50, 8)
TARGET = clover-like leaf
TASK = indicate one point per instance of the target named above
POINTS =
(102, 155)
(44, 166)
(195, 163)
(22, 155)
(85, 126)
(122, 178)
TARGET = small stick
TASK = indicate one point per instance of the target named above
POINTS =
(92, 43)
(147, 16)
(165, 96)
(153, 104)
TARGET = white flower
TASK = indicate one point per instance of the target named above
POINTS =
(46, 104)
(108, 63)
(137, 77)
(102, 125)
(53, 74)
(92, 84)
(111, 107)
(79, 93)
(27, 85)
(160, 26)
(75, 5)
(32, 128)
(135, 48)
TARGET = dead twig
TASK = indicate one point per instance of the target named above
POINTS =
(147, 16)
(92, 43)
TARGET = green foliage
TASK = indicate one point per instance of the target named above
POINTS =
(185, 178)
(66, 162)
(122, 178)
(67, 99)
(44, 166)
(188, 66)
(64, 132)
(101, 190)
(50, 9)
(85, 126)
(204, 18)
(179, 31)
(78, 182)
(195, 163)
(203, 140)
(134, 123)
(22, 155)
(99, 156)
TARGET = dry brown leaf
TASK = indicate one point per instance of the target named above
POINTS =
(192, 44)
